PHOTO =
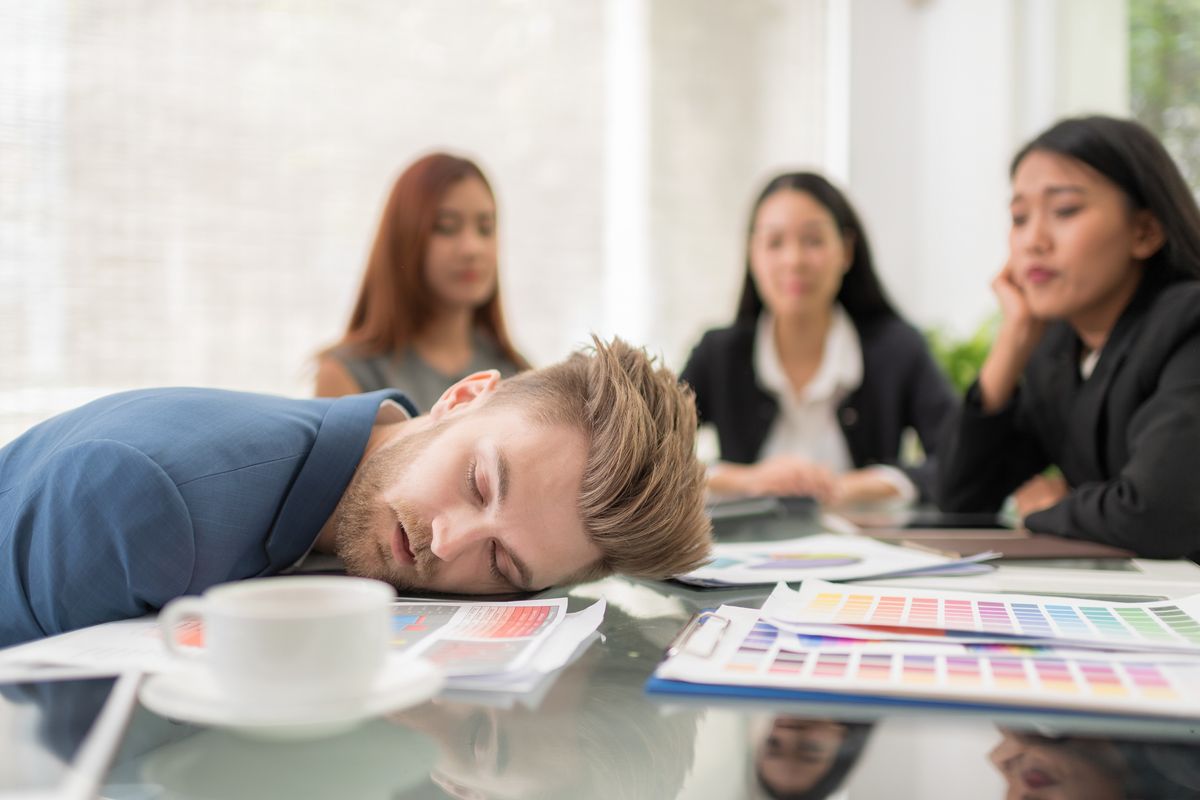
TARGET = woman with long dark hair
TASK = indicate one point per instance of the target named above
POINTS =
(428, 312)
(812, 386)
(1095, 368)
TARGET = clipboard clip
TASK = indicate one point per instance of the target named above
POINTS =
(683, 639)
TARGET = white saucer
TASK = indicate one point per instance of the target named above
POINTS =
(191, 695)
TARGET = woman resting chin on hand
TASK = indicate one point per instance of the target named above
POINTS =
(1096, 365)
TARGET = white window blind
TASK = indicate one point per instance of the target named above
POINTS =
(188, 188)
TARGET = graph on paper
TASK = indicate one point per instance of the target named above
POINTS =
(1173, 625)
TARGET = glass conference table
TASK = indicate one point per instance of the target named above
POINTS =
(593, 732)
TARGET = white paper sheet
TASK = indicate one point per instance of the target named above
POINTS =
(750, 653)
(828, 556)
(482, 646)
(1163, 625)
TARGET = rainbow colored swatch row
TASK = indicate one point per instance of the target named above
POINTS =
(985, 668)
(1150, 624)
(754, 651)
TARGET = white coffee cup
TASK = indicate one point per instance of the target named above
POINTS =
(287, 640)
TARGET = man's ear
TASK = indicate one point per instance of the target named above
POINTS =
(1148, 235)
(465, 393)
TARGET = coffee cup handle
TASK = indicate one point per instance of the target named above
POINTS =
(173, 613)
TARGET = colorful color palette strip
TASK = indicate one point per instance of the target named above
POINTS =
(1017, 674)
(503, 622)
(1046, 619)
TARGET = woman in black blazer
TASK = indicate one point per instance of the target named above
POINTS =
(812, 386)
(1096, 365)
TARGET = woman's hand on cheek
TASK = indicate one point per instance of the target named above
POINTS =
(1018, 318)
(1019, 334)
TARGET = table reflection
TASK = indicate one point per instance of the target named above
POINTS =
(953, 756)
(592, 735)
(1041, 767)
(803, 759)
(67, 710)
(592, 732)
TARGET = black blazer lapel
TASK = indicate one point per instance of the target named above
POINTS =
(1088, 437)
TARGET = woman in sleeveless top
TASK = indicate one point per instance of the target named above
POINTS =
(428, 312)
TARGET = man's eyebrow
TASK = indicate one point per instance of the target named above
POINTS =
(501, 476)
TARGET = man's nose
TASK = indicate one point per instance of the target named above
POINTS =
(452, 537)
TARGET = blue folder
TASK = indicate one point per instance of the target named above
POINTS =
(698, 690)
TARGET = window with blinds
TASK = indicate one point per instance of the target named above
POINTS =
(188, 189)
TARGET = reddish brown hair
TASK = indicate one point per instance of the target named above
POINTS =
(395, 303)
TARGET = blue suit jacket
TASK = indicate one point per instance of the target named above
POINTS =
(110, 510)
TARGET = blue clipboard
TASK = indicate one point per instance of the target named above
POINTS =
(664, 686)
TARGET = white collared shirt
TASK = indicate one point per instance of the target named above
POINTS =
(807, 423)
(1087, 364)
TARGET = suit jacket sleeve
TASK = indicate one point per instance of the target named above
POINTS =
(984, 457)
(1151, 505)
(696, 375)
(104, 535)
(931, 404)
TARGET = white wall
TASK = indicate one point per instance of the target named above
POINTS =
(736, 94)
(942, 93)
(190, 190)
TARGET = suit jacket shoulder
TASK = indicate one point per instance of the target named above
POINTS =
(109, 510)
(1127, 438)
(720, 371)
(96, 532)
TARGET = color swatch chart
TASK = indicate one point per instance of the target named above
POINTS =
(458, 657)
(1169, 625)
(1034, 679)
(475, 638)
(413, 622)
(758, 654)
(503, 621)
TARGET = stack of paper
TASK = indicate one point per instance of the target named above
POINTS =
(485, 646)
(828, 556)
(952, 647)
(495, 646)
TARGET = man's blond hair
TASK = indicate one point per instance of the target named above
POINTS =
(642, 496)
